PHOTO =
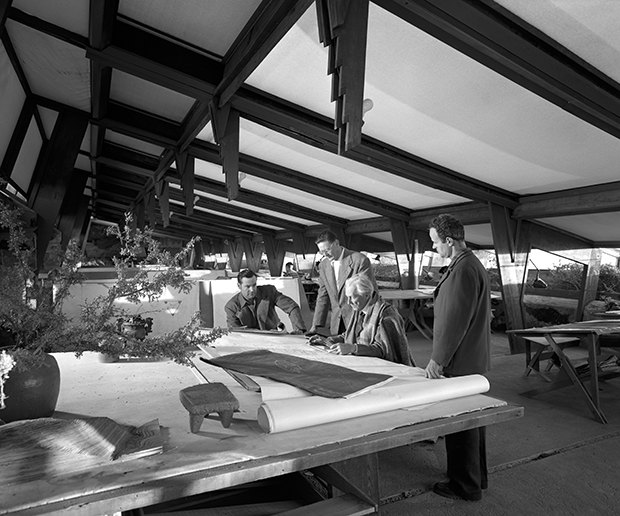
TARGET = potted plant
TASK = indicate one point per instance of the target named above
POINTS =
(33, 324)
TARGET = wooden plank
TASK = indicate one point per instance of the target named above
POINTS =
(275, 252)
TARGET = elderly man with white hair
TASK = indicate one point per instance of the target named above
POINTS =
(376, 329)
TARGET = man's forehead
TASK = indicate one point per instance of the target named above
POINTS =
(248, 282)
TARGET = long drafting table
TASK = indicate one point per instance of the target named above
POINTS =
(133, 393)
(592, 332)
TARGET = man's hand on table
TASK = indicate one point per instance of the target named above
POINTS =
(433, 369)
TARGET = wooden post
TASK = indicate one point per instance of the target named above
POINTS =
(512, 248)
(403, 249)
(253, 253)
(235, 255)
(274, 249)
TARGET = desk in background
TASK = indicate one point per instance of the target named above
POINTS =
(417, 298)
(610, 314)
(216, 457)
(591, 331)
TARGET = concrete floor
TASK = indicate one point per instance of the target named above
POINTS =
(556, 460)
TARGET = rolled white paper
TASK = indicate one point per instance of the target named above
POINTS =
(289, 414)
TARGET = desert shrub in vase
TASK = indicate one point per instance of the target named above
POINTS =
(32, 322)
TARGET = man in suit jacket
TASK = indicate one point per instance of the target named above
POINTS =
(254, 306)
(338, 264)
(461, 346)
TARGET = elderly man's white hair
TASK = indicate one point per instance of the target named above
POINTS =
(360, 282)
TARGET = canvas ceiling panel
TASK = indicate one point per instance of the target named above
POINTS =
(434, 102)
(27, 158)
(598, 227)
(72, 15)
(241, 219)
(300, 198)
(211, 26)
(133, 143)
(147, 96)
(83, 163)
(48, 117)
(274, 147)
(296, 69)
(206, 134)
(85, 145)
(479, 234)
(12, 99)
(236, 204)
(54, 69)
(588, 29)
(383, 235)
(253, 184)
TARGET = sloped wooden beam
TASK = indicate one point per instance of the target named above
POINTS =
(272, 20)
(343, 27)
(579, 201)
(53, 175)
(81, 219)
(493, 36)
(226, 135)
(468, 214)
(403, 240)
(185, 169)
(149, 207)
(162, 190)
(302, 244)
(69, 209)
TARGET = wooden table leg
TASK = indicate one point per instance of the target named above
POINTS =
(593, 402)
(415, 316)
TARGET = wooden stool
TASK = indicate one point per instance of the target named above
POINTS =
(201, 400)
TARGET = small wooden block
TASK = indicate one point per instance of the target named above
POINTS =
(201, 400)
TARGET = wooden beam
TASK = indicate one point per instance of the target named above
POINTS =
(304, 182)
(270, 23)
(162, 190)
(235, 254)
(315, 129)
(185, 169)
(53, 175)
(582, 201)
(70, 207)
(157, 60)
(468, 213)
(81, 217)
(499, 40)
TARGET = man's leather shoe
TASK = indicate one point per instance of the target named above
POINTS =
(444, 489)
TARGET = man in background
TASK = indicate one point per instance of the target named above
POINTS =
(338, 264)
(255, 306)
(461, 346)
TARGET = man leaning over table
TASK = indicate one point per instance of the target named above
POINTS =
(376, 329)
(254, 306)
(338, 264)
(461, 346)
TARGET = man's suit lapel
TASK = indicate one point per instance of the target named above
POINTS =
(330, 277)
